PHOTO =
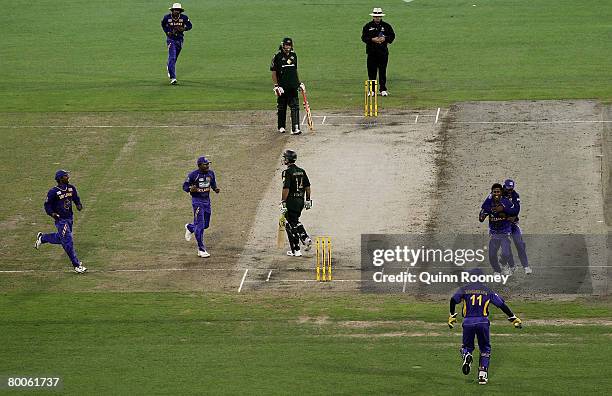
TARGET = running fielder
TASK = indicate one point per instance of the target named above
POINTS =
(476, 298)
(58, 205)
(198, 184)
(174, 24)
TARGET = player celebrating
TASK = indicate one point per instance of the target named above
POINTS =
(498, 209)
(286, 83)
(517, 235)
(174, 24)
(296, 186)
(58, 205)
(476, 298)
(198, 184)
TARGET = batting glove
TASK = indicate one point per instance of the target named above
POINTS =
(303, 87)
(278, 91)
(308, 204)
(452, 319)
(283, 208)
(516, 322)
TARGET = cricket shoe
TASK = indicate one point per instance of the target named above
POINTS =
(528, 270)
(80, 269)
(507, 271)
(384, 93)
(296, 131)
(483, 378)
(307, 243)
(173, 81)
(203, 253)
(187, 233)
(467, 363)
(38, 240)
(282, 130)
(297, 253)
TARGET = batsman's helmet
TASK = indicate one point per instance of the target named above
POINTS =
(290, 156)
(508, 183)
(286, 41)
(61, 173)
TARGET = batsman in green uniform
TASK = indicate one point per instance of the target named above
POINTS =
(286, 84)
(296, 196)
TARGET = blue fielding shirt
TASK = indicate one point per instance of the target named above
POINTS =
(204, 181)
(516, 200)
(498, 222)
(476, 298)
(59, 200)
(168, 25)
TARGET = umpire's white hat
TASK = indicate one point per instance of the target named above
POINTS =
(176, 6)
(377, 12)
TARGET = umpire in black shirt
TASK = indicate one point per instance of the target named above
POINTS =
(377, 35)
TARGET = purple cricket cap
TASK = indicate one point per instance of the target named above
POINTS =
(509, 183)
(60, 173)
(203, 160)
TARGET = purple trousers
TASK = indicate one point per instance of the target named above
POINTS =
(174, 50)
(481, 332)
(63, 237)
(201, 221)
(497, 241)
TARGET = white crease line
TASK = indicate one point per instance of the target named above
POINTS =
(304, 120)
(405, 280)
(304, 281)
(437, 116)
(324, 118)
(270, 125)
(416, 119)
(269, 274)
(255, 269)
(119, 270)
(534, 122)
(246, 271)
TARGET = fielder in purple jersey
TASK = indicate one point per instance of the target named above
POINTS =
(199, 183)
(476, 298)
(174, 24)
(498, 209)
(515, 230)
(58, 205)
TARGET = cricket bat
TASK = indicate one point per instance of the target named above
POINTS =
(280, 239)
(308, 113)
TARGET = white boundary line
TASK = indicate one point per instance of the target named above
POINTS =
(246, 271)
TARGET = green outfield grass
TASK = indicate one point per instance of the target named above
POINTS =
(110, 56)
(103, 63)
(349, 344)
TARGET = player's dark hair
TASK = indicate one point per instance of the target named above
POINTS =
(496, 185)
